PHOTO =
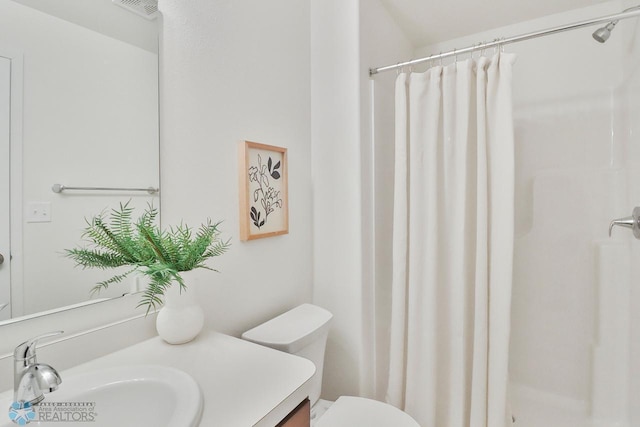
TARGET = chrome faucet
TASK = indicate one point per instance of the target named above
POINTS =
(30, 378)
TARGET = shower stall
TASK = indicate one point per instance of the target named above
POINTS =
(574, 356)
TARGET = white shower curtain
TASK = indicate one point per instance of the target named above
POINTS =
(453, 244)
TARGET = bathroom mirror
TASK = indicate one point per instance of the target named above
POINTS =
(79, 98)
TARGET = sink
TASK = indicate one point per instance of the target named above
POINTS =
(140, 396)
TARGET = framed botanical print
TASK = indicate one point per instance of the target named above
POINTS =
(264, 198)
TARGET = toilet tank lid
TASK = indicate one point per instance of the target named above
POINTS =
(293, 330)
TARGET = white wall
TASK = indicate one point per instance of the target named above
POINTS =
(234, 71)
(347, 38)
(89, 118)
(335, 135)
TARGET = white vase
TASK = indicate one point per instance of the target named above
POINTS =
(181, 319)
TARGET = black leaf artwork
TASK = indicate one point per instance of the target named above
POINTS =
(255, 216)
(269, 197)
(273, 172)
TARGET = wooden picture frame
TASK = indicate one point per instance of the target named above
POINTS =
(264, 194)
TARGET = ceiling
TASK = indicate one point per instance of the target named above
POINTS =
(430, 21)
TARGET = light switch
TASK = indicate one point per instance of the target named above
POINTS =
(38, 212)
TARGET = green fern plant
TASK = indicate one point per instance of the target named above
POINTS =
(161, 255)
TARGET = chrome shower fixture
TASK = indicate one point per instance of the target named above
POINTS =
(602, 34)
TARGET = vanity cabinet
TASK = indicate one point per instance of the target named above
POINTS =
(299, 417)
(242, 384)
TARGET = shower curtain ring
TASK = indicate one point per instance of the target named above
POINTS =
(440, 58)
(408, 65)
(502, 45)
(455, 55)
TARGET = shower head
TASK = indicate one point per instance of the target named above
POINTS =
(602, 34)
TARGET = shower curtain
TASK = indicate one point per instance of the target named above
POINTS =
(453, 244)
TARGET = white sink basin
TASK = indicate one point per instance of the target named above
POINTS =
(136, 396)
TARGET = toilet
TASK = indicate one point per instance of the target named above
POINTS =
(303, 331)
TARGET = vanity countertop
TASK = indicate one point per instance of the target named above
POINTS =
(243, 384)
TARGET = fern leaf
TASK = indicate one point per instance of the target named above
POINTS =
(115, 279)
(117, 241)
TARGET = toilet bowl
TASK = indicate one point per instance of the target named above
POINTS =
(350, 411)
(303, 331)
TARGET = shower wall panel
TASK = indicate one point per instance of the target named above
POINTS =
(629, 133)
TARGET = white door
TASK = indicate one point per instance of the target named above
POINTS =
(5, 209)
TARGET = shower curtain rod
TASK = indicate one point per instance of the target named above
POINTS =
(514, 39)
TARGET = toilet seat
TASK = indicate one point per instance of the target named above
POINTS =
(350, 411)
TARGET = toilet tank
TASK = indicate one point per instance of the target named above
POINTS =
(301, 331)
